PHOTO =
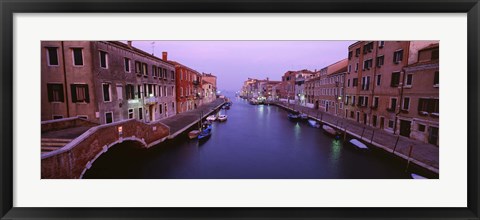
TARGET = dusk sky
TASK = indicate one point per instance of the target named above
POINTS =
(235, 61)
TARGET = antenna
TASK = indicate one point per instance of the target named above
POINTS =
(153, 48)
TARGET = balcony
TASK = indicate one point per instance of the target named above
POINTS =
(196, 82)
(152, 100)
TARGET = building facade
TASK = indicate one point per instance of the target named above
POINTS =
(374, 80)
(104, 81)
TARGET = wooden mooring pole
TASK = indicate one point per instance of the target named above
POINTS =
(361, 137)
(371, 139)
(344, 134)
(395, 147)
(409, 157)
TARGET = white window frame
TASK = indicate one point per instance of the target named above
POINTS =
(109, 91)
(73, 57)
(133, 113)
(406, 80)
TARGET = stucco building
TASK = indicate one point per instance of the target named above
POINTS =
(104, 81)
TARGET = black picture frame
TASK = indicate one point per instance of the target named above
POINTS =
(9, 7)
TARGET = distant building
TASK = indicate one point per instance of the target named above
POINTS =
(289, 80)
(105, 82)
(211, 89)
(330, 88)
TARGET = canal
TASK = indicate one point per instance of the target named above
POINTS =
(256, 142)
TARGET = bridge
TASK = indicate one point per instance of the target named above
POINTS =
(70, 146)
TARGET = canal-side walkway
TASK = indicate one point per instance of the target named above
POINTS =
(181, 122)
(422, 154)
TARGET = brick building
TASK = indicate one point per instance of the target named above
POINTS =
(374, 80)
(104, 81)
(419, 110)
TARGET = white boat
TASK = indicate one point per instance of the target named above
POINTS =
(193, 134)
(304, 116)
(416, 176)
(329, 130)
(358, 144)
(212, 118)
(313, 123)
(222, 117)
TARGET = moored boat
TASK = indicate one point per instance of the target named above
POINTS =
(212, 118)
(193, 134)
(293, 116)
(358, 144)
(329, 130)
(304, 116)
(205, 133)
(222, 117)
(313, 123)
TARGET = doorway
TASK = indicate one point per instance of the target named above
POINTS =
(405, 128)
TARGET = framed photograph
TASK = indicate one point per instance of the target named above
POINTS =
(211, 109)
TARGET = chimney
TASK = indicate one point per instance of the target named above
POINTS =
(164, 56)
(129, 43)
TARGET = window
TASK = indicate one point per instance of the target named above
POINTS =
(348, 83)
(398, 56)
(395, 79)
(126, 62)
(138, 67)
(367, 64)
(381, 44)
(144, 69)
(130, 91)
(366, 83)
(356, 67)
(357, 52)
(421, 128)
(140, 113)
(393, 104)
(349, 68)
(55, 92)
(160, 108)
(108, 117)
(154, 71)
(103, 59)
(181, 91)
(346, 99)
(428, 106)
(435, 54)
(79, 93)
(77, 56)
(130, 113)
(139, 91)
(173, 105)
(173, 74)
(433, 135)
(165, 74)
(408, 80)
(119, 92)
(379, 79)
(52, 55)
(375, 102)
(390, 123)
(106, 92)
(380, 60)
(368, 48)
(436, 79)
(159, 72)
(353, 100)
(406, 103)
(355, 82)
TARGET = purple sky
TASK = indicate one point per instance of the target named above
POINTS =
(234, 61)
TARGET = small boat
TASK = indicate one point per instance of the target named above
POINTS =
(304, 116)
(212, 118)
(222, 117)
(416, 176)
(313, 123)
(205, 133)
(329, 130)
(293, 116)
(358, 144)
(193, 134)
(227, 107)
